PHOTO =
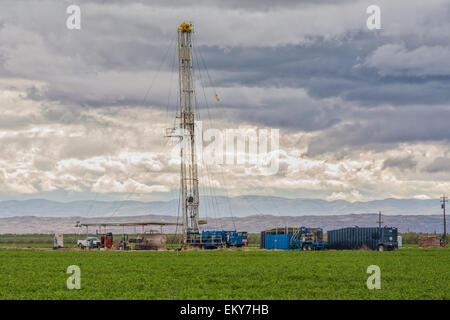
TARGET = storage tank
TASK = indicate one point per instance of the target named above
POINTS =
(58, 241)
(151, 241)
(356, 238)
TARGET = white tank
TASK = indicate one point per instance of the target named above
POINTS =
(399, 240)
(152, 241)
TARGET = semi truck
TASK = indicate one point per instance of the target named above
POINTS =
(373, 238)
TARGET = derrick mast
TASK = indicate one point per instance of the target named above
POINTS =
(186, 115)
(185, 131)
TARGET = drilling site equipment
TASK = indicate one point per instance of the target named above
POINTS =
(359, 237)
(217, 239)
(293, 238)
(185, 132)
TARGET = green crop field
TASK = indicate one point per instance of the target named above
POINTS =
(408, 273)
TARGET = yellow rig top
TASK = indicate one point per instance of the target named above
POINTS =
(185, 27)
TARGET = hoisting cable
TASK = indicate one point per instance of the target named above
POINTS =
(144, 100)
(207, 107)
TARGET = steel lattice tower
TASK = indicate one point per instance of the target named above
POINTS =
(186, 131)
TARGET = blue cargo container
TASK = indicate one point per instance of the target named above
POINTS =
(356, 238)
(280, 241)
(293, 238)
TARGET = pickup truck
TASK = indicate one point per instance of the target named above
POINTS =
(90, 242)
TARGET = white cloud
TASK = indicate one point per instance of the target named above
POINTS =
(106, 184)
(352, 196)
(422, 197)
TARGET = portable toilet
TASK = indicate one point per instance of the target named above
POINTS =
(58, 241)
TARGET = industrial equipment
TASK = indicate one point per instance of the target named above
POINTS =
(106, 240)
(185, 132)
(150, 241)
(124, 243)
(58, 241)
(293, 238)
(399, 241)
(431, 241)
(217, 239)
(358, 237)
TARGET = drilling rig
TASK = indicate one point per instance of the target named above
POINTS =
(186, 132)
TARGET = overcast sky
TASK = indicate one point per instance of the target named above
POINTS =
(363, 114)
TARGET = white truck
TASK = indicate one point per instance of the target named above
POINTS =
(89, 242)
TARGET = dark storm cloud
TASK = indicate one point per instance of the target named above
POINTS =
(301, 113)
(380, 128)
(113, 60)
(252, 5)
(326, 69)
(402, 163)
(439, 164)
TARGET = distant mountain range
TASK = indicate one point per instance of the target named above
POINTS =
(252, 224)
(218, 207)
(248, 213)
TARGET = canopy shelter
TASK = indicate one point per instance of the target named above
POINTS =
(127, 224)
(130, 224)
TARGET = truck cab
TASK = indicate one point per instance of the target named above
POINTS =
(388, 239)
(89, 242)
(236, 239)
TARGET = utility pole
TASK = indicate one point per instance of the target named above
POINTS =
(443, 201)
(186, 132)
(379, 219)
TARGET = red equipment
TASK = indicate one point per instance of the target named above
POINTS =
(106, 241)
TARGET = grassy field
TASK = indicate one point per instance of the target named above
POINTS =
(408, 273)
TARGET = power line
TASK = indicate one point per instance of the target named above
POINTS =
(380, 221)
(444, 201)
